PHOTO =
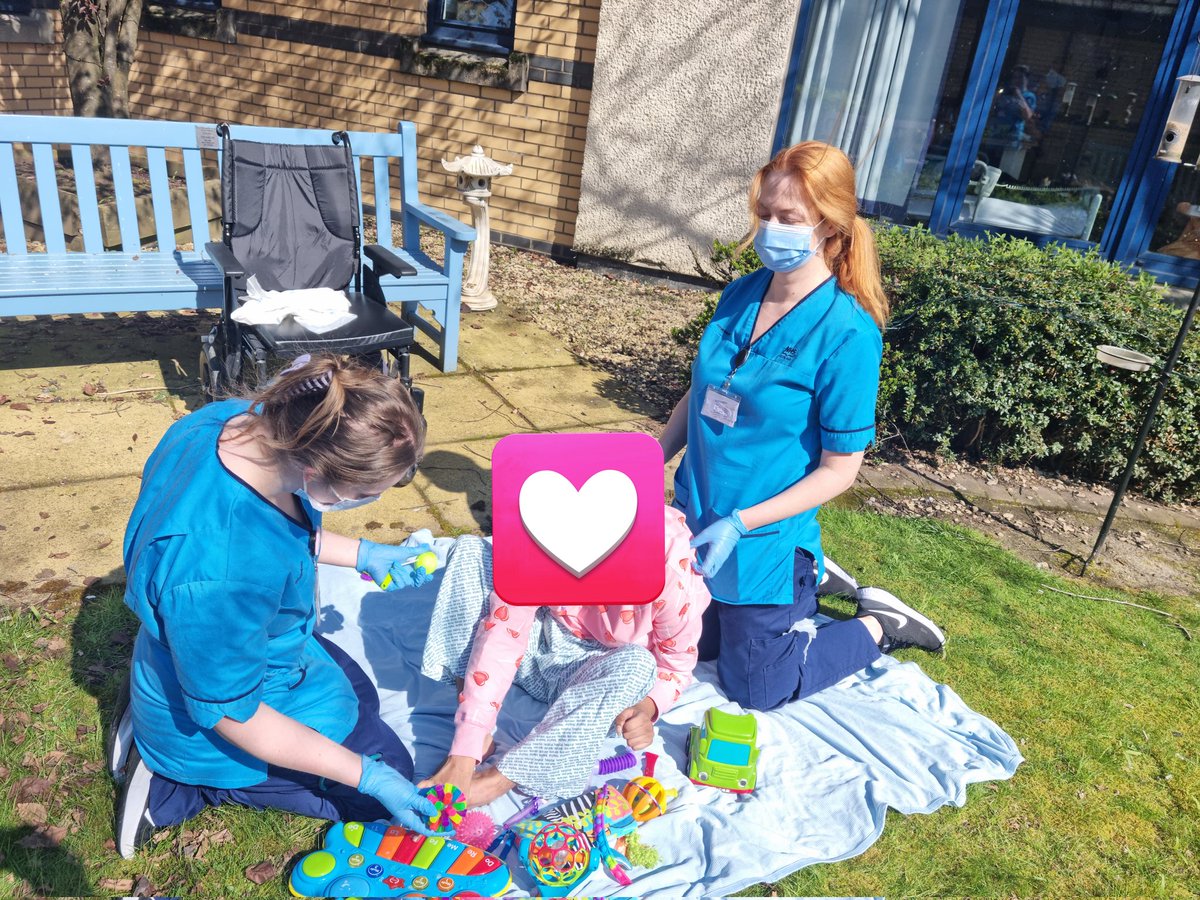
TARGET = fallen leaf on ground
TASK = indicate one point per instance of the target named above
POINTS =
(30, 788)
(89, 389)
(32, 813)
(262, 872)
(23, 407)
(122, 886)
(142, 887)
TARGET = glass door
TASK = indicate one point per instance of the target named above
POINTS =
(1072, 92)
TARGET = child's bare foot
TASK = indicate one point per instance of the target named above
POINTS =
(488, 784)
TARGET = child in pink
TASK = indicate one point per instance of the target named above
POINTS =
(599, 668)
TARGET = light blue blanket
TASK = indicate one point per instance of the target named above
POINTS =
(829, 768)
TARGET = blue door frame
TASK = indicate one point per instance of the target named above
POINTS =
(1143, 187)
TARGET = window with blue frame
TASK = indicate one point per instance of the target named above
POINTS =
(480, 26)
(884, 81)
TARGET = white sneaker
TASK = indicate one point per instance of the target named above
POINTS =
(134, 825)
(902, 625)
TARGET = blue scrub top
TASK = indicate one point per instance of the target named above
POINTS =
(225, 585)
(808, 383)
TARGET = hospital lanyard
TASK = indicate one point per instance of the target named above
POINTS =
(738, 361)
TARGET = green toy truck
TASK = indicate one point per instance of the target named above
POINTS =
(723, 752)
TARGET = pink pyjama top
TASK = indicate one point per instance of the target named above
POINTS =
(668, 627)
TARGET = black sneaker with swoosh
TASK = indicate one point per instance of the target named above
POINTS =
(902, 625)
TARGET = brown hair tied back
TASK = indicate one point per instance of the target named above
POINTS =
(350, 423)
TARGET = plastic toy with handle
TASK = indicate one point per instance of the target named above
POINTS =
(647, 797)
(374, 859)
(427, 562)
(559, 856)
(450, 803)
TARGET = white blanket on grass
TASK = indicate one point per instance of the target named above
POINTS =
(829, 767)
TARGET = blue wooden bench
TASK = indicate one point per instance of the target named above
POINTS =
(127, 276)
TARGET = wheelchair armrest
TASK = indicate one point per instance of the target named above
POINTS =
(224, 259)
(386, 262)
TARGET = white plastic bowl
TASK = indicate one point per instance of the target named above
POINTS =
(1123, 358)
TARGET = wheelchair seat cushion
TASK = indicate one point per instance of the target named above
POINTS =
(375, 327)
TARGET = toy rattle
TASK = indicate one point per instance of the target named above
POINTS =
(559, 856)
(647, 797)
(426, 562)
(450, 803)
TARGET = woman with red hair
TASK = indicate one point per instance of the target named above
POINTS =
(779, 413)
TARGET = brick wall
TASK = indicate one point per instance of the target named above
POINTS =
(342, 63)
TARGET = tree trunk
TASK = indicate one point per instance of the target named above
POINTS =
(99, 42)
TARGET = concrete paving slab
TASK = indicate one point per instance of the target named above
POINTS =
(389, 520)
(463, 407)
(456, 479)
(497, 339)
(77, 442)
(565, 397)
(59, 355)
(64, 533)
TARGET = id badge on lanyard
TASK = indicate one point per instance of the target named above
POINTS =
(720, 403)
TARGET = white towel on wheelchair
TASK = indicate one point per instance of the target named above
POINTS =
(318, 310)
(830, 765)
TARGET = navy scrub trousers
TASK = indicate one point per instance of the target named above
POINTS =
(762, 664)
(172, 802)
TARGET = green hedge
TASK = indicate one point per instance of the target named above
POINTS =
(990, 353)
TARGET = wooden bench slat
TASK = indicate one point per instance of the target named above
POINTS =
(85, 190)
(131, 239)
(10, 203)
(193, 174)
(383, 207)
(47, 191)
(160, 196)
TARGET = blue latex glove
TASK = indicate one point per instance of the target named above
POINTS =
(720, 538)
(387, 561)
(408, 806)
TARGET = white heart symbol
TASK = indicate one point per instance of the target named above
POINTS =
(578, 529)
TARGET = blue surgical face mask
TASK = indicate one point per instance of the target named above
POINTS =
(783, 248)
(340, 505)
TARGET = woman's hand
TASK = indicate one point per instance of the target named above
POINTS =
(456, 770)
(408, 806)
(720, 538)
(636, 724)
(390, 566)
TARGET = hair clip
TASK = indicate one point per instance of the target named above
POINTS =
(298, 363)
(311, 385)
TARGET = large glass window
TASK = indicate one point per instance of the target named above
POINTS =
(485, 26)
(884, 80)
(1065, 113)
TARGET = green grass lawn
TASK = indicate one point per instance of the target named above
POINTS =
(1100, 698)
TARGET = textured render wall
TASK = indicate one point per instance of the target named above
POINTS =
(684, 108)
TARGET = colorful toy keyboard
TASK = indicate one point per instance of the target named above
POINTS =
(374, 859)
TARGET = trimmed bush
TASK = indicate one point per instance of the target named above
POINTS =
(990, 353)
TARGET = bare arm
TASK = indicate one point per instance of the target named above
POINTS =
(337, 549)
(833, 475)
(674, 436)
(280, 740)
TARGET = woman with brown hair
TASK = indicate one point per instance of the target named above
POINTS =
(233, 695)
(779, 413)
